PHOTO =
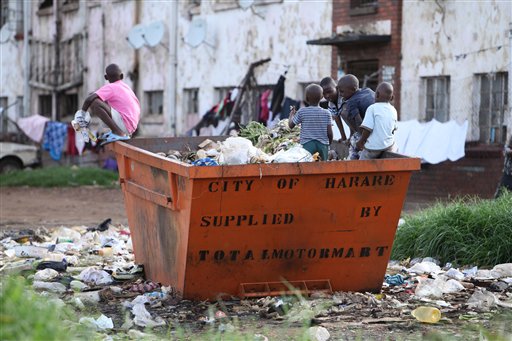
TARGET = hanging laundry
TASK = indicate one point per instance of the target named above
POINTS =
(264, 110)
(432, 141)
(71, 150)
(285, 112)
(33, 126)
(54, 138)
(278, 96)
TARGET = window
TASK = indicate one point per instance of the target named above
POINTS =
(3, 113)
(70, 5)
(221, 92)
(437, 98)
(45, 7)
(68, 104)
(367, 71)
(191, 101)
(45, 105)
(362, 7)
(493, 105)
(154, 101)
(4, 13)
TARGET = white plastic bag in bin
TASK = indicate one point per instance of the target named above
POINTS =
(294, 154)
(236, 151)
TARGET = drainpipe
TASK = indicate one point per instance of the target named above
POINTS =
(134, 75)
(56, 64)
(172, 121)
(27, 8)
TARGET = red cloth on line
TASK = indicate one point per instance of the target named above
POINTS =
(264, 111)
(71, 141)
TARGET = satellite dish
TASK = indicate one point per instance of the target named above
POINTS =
(136, 36)
(196, 33)
(154, 33)
(5, 34)
(245, 4)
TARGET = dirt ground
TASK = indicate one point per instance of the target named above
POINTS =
(25, 207)
(49, 207)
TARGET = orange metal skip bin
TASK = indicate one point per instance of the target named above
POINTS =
(245, 230)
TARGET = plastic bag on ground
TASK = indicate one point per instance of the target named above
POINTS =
(503, 270)
(143, 317)
(294, 154)
(66, 233)
(45, 275)
(236, 151)
(482, 300)
(318, 334)
(101, 323)
(424, 267)
(455, 274)
(436, 288)
(95, 276)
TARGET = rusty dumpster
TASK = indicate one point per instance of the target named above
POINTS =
(257, 229)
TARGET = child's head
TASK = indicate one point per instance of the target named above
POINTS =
(329, 89)
(347, 86)
(313, 94)
(113, 73)
(384, 92)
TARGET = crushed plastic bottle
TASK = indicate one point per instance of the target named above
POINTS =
(427, 314)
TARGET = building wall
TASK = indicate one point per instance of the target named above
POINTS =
(241, 38)
(456, 39)
(387, 20)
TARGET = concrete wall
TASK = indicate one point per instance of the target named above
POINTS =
(456, 39)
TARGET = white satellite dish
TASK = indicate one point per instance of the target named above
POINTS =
(5, 34)
(245, 4)
(136, 36)
(196, 33)
(154, 33)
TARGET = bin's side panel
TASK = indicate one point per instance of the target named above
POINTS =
(337, 227)
(157, 205)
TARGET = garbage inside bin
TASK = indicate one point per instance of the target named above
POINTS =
(238, 230)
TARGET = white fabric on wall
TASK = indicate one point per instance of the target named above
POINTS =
(432, 141)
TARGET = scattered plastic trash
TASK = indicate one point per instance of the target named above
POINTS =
(455, 274)
(427, 314)
(318, 334)
(46, 275)
(101, 323)
(425, 267)
(30, 251)
(205, 162)
(66, 234)
(89, 297)
(503, 270)
(394, 279)
(57, 266)
(470, 272)
(482, 300)
(101, 227)
(143, 317)
(78, 286)
(95, 276)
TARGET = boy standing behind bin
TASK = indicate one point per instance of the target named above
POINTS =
(355, 103)
(316, 128)
(379, 125)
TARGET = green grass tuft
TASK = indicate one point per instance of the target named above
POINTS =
(60, 177)
(25, 315)
(467, 231)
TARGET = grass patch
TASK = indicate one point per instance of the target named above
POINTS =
(60, 177)
(467, 231)
(25, 315)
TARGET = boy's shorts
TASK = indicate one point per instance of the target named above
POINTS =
(314, 146)
(375, 154)
(118, 120)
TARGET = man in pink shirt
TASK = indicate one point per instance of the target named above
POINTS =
(116, 105)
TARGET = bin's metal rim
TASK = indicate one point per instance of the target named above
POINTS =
(264, 169)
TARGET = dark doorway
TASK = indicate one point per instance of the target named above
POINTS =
(365, 69)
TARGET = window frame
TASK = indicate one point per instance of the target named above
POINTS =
(149, 103)
(485, 124)
(361, 7)
(191, 99)
(434, 112)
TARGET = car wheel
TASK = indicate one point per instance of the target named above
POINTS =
(10, 164)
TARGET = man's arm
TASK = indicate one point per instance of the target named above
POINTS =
(365, 133)
(329, 132)
(88, 101)
(339, 124)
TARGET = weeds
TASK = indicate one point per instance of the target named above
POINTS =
(468, 231)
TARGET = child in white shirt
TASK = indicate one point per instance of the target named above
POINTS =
(379, 125)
